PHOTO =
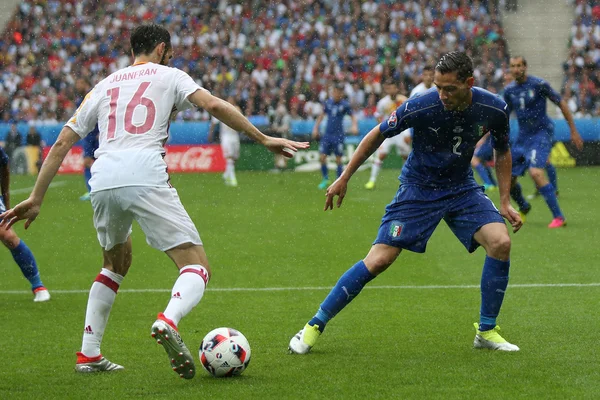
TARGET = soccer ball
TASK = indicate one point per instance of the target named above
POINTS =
(224, 352)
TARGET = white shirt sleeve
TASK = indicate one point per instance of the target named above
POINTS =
(86, 117)
(184, 86)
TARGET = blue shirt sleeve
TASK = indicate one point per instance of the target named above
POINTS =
(500, 131)
(509, 109)
(326, 108)
(550, 93)
(348, 109)
(397, 122)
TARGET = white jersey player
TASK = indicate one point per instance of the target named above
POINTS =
(230, 145)
(401, 142)
(129, 182)
(426, 81)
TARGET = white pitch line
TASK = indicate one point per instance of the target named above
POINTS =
(29, 189)
(307, 288)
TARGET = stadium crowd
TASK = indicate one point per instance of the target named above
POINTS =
(581, 86)
(266, 54)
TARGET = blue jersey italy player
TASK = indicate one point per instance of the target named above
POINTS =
(19, 250)
(90, 142)
(527, 95)
(437, 183)
(333, 140)
(484, 152)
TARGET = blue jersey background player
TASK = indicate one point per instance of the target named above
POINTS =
(333, 140)
(19, 250)
(437, 183)
(484, 152)
(526, 96)
(90, 142)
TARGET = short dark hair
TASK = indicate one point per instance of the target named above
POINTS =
(428, 68)
(522, 59)
(145, 38)
(456, 61)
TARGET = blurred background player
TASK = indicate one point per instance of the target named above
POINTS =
(281, 122)
(526, 96)
(90, 142)
(19, 250)
(484, 153)
(333, 140)
(230, 144)
(401, 142)
(426, 81)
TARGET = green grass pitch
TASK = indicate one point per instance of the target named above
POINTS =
(274, 255)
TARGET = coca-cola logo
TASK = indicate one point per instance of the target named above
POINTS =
(191, 159)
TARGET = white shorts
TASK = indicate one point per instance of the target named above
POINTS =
(398, 142)
(231, 146)
(157, 210)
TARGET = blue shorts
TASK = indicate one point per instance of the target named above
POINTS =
(90, 144)
(415, 212)
(330, 145)
(533, 152)
(485, 152)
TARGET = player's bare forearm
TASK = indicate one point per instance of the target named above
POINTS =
(318, 124)
(4, 185)
(233, 118)
(564, 108)
(367, 146)
(227, 113)
(504, 174)
(57, 154)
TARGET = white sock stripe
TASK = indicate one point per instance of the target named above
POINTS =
(196, 269)
(112, 275)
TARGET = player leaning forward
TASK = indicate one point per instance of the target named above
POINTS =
(129, 182)
(437, 183)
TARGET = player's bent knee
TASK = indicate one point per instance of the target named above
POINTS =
(499, 247)
(380, 258)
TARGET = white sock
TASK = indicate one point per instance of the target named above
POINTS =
(375, 169)
(100, 301)
(187, 292)
(230, 168)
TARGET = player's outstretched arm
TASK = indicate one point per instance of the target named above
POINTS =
(30, 208)
(504, 175)
(575, 137)
(367, 146)
(232, 117)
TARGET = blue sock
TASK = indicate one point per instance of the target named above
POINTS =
(494, 280)
(517, 194)
(549, 195)
(483, 174)
(491, 175)
(324, 171)
(87, 174)
(345, 290)
(551, 170)
(25, 260)
(340, 169)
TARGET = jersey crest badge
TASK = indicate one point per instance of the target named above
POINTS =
(396, 229)
(392, 120)
(481, 130)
